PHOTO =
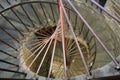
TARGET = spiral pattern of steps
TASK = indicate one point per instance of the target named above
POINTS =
(26, 45)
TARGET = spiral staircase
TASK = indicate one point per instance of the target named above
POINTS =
(33, 45)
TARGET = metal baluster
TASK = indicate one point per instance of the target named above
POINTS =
(20, 19)
(44, 13)
(106, 11)
(12, 24)
(35, 13)
(52, 13)
(27, 15)
(79, 49)
(8, 45)
(8, 54)
(97, 38)
(7, 70)
(9, 63)
(9, 34)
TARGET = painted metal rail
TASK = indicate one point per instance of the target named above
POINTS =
(34, 15)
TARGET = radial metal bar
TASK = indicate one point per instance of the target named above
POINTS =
(35, 13)
(51, 63)
(94, 34)
(7, 70)
(92, 47)
(79, 49)
(94, 54)
(8, 45)
(91, 38)
(56, 36)
(8, 54)
(33, 53)
(70, 45)
(86, 35)
(9, 34)
(1, 6)
(63, 38)
(27, 15)
(8, 2)
(44, 12)
(9, 63)
(43, 46)
(106, 11)
(35, 42)
(20, 19)
(50, 40)
(81, 30)
(39, 67)
(35, 46)
(11, 24)
(76, 19)
(52, 13)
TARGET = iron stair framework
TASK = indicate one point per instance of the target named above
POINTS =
(19, 34)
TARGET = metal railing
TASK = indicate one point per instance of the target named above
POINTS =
(34, 15)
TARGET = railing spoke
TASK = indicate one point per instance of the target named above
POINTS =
(106, 11)
(11, 24)
(41, 46)
(9, 63)
(63, 38)
(7, 70)
(97, 38)
(8, 54)
(51, 62)
(39, 67)
(9, 45)
(9, 34)
(27, 15)
(20, 19)
(44, 13)
(79, 49)
(52, 13)
(35, 13)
